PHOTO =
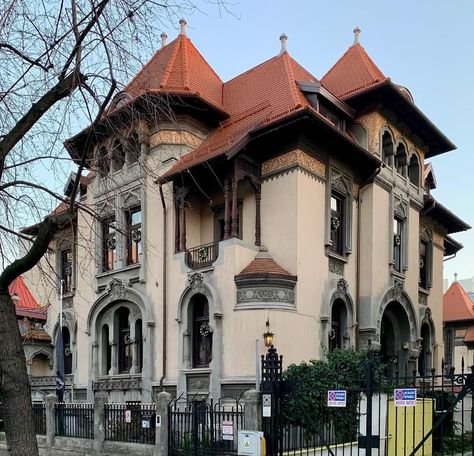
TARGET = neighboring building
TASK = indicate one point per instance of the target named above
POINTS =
(31, 321)
(274, 196)
(458, 318)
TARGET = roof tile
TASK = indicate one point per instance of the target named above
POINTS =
(457, 305)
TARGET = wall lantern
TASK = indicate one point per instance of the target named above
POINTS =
(268, 336)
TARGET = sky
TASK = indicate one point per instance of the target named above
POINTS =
(425, 45)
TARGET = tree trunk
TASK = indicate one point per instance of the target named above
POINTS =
(15, 387)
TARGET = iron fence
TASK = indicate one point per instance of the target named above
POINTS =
(204, 428)
(202, 256)
(75, 419)
(39, 414)
(2, 418)
(131, 422)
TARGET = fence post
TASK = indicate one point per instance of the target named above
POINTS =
(161, 436)
(252, 410)
(100, 399)
(49, 401)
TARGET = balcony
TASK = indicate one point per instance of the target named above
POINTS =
(202, 256)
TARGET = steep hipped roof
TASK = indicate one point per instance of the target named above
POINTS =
(353, 72)
(457, 306)
(178, 68)
(25, 303)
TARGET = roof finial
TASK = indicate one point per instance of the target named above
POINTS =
(356, 36)
(283, 39)
(455, 276)
(183, 23)
(164, 37)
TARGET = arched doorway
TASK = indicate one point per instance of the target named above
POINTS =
(395, 339)
(424, 360)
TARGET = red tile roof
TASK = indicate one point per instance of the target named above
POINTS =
(263, 266)
(257, 97)
(178, 68)
(457, 305)
(354, 72)
(469, 337)
(25, 303)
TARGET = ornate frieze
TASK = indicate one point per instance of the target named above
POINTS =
(117, 384)
(197, 383)
(336, 266)
(174, 137)
(294, 159)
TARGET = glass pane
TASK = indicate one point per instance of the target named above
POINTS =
(136, 217)
(333, 203)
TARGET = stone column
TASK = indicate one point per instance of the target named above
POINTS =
(100, 399)
(258, 198)
(50, 400)
(235, 223)
(162, 401)
(113, 358)
(182, 227)
(227, 209)
(252, 410)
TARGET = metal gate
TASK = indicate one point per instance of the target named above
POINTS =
(201, 428)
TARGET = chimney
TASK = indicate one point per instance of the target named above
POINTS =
(164, 37)
(356, 36)
(182, 23)
(284, 46)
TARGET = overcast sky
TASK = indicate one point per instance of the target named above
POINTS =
(426, 45)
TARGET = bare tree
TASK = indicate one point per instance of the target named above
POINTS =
(61, 62)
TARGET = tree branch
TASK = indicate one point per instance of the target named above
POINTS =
(25, 57)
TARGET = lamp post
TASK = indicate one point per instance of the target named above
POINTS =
(268, 336)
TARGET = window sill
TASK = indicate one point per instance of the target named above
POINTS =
(130, 267)
(197, 370)
(397, 274)
(336, 256)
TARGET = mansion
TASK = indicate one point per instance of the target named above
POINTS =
(220, 210)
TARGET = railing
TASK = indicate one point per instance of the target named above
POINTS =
(134, 423)
(202, 256)
(204, 428)
(74, 420)
(39, 414)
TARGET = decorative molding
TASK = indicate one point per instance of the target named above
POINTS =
(294, 159)
(197, 383)
(400, 208)
(422, 298)
(341, 182)
(336, 266)
(382, 182)
(117, 384)
(116, 290)
(175, 137)
(131, 198)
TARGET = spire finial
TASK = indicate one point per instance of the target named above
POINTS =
(455, 276)
(164, 37)
(356, 36)
(284, 46)
(183, 23)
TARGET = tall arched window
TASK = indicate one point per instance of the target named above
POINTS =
(414, 170)
(106, 351)
(401, 160)
(103, 162)
(133, 148)
(201, 332)
(387, 149)
(338, 325)
(124, 340)
(118, 156)
(67, 350)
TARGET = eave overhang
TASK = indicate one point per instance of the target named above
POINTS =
(451, 246)
(451, 222)
(390, 95)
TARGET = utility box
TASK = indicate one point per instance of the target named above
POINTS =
(250, 443)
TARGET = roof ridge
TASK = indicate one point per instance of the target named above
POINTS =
(184, 57)
(291, 78)
(169, 67)
(372, 68)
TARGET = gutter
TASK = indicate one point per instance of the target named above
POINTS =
(163, 286)
(359, 203)
(450, 257)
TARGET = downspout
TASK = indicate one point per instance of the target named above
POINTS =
(450, 257)
(163, 286)
(359, 201)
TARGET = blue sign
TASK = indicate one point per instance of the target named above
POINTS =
(337, 398)
(405, 397)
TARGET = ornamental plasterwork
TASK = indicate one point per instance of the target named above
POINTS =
(426, 234)
(175, 137)
(117, 289)
(106, 207)
(355, 190)
(400, 208)
(293, 159)
(340, 182)
(336, 266)
(131, 198)
(265, 295)
(117, 384)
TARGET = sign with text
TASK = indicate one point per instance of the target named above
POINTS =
(146, 424)
(266, 405)
(337, 398)
(227, 430)
(128, 416)
(405, 397)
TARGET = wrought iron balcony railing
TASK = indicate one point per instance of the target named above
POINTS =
(202, 256)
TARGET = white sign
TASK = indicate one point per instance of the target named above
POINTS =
(337, 398)
(266, 405)
(405, 397)
(158, 420)
(146, 424)
(250, 443)
(227, 430)
(128, 416)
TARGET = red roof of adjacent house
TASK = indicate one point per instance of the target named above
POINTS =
(178, 68)
(469, 337)
(355, 71)
(257, 97)
(457, 305)
(25, 303)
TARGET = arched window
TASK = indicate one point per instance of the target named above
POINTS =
(401, 160)
(103, 162)
(122, 318)
(67, 350)
(201, 332)
(387, 149)
(338, 332)
(414, 170)
(118, 156)
(139, 345)
(106, 351)
(133, 148)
